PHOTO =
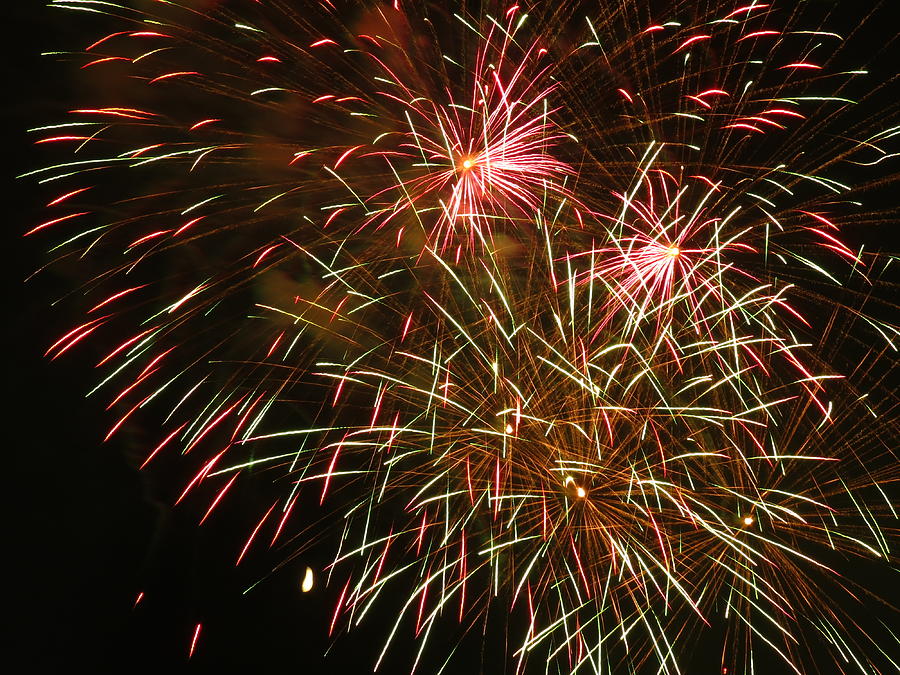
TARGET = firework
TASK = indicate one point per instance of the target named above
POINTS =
(611, 491)
(487, 156)
(528, 298)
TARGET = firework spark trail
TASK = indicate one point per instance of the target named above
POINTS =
(529, 281)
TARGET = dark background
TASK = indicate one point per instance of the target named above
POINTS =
(89, 532)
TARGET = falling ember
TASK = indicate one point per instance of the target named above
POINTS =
(748, 520)
(308, 580)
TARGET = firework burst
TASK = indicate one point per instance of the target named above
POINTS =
(607, 490)
(488, 156)
(529, 298)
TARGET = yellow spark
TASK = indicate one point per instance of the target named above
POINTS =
(580, 492)
(307, 584)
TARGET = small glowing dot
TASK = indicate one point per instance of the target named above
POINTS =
(307, 584)
(580, 492)
(748, 520)
(467, 163)
(673, 251)
(509, 428)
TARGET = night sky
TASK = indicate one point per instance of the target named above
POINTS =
(91, 532)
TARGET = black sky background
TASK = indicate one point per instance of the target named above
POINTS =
(88, 531)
